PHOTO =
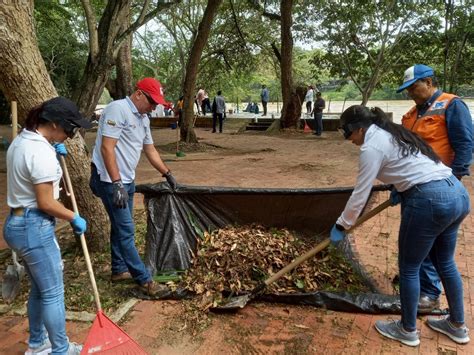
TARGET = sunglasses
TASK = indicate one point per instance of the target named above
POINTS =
(148, 97)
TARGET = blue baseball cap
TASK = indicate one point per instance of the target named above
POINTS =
(414, 73)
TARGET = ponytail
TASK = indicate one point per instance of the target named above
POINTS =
(33, 119)
(408, 142)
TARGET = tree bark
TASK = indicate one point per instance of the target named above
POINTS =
(121, 86)
(25, 79)
(291, 110)
(100, 61)
(23, 74)
(187, 129)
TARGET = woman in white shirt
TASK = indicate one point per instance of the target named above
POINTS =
(309, 97)
(33, 175)
(433, 205)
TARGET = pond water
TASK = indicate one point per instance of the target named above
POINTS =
(398, 107)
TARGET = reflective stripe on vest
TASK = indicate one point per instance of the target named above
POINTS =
(431, 126)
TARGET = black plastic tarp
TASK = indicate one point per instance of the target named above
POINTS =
(175, 218)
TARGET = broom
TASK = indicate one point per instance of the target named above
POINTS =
(179, 153)
(14, 274)
(104, 336)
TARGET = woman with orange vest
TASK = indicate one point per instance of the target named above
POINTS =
(444, 122)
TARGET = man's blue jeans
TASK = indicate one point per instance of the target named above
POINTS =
(318, 123)
(431, 216)
(430, 282)
(124, 254)
(32, 237)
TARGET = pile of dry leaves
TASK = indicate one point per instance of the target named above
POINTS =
(237, 259)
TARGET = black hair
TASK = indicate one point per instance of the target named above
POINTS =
(219, 92)
(359, 116)
(33, 120)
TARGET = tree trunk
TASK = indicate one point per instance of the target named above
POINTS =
(187, 129)
(291, 110)
(122, 86)
(24, 78)
(23, 74)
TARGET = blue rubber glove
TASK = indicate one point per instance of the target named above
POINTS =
(78, 224)
(395, 197)
(336, 235)
(60, 149)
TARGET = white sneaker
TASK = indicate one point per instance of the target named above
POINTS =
(74, 349)
(43, 349)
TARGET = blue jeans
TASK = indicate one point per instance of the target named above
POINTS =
(215, 118)
(431, 216)
(124, 254)
(430, 282)
(32, 237)
(318, 123)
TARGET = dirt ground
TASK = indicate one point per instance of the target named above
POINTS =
(289, 160)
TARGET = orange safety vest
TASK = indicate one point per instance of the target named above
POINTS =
(431, 126)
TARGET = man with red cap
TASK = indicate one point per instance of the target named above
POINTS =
(124, 131)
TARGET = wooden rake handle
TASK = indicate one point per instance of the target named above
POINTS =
(82, 237)
(325, 243)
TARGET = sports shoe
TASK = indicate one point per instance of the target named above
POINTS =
(43, 349)
(443, 325)
(152, 288)
(74, 349)
(393, 329)
(426, 304)
(124, 276)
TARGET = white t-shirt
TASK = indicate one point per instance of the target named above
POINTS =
(122, 121)
(380, 159)
(31, 160)
(309, 96)
(159, 111)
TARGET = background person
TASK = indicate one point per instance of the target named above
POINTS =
(178, 110)
(444, 122)
(319, 106)
(265, 96)
(124, 130)
(206, 104)
(33, 176)
(218, 112)
(433, 205)
(309, 99)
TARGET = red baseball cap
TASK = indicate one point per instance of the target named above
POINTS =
(153, 88)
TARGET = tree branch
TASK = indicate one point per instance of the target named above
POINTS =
(255, 4)
(142, 19)
(276, 51)
(91, 25)
(234, 16)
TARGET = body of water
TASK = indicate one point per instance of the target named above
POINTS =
(397, 107)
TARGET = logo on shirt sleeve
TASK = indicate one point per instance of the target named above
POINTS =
(111, 123)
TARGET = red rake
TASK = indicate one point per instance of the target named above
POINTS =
(105, 337)
(307, 129)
